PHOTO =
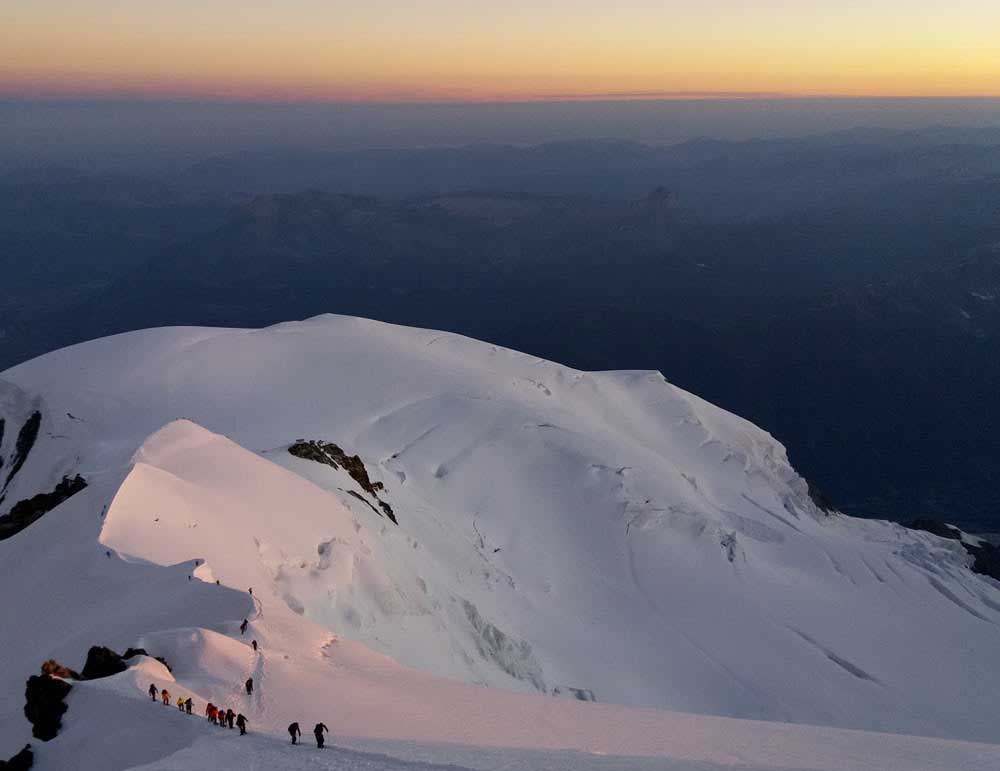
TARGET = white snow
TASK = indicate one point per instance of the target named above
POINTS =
(559, 532)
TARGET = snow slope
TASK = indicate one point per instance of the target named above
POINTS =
(561, 534)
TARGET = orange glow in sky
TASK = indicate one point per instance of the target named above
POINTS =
(439, 50)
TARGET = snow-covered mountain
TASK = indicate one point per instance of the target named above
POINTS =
(420, 514)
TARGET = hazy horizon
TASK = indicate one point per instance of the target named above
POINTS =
(150, 135)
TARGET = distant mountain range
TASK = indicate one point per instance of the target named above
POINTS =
(841, 291)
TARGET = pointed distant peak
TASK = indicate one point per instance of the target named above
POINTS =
(661, 196)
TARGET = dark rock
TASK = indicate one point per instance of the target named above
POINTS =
(22, 761)
(580, 694)
(54, 668)
(30, 510)
(388, 511)
(360, 497)
(937, 528)
(25, 441)
(331, 455)
(820, 498)
(142, 652)
(102, 662)
(986, 556)
(987, 559)
(45, 704)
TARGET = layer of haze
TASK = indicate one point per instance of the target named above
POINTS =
(156, 136)
(399, 50)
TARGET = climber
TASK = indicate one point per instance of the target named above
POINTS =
(221, 716)
(188, 705)
(210, 711)
(249, 686)
(253, 644)
(294, 732)
(243, 626)
(152, 691)
(318, 733)
(230, 717)
(166, 697)
(180, 703)
(241, 721)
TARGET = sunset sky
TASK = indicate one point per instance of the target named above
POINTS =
(439, 50)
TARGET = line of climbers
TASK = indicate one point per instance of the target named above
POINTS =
(218, 716)
(224, 717)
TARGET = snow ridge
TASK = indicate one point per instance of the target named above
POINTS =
(597, 536)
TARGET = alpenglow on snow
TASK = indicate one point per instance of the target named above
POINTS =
(627, 569)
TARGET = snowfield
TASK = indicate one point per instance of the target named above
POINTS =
(589, 570)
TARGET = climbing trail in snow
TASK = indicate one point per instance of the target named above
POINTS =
(523, 554)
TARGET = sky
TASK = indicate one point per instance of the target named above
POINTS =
(485, 50)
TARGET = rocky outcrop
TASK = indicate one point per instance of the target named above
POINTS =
(45, 694)
(580, 694)
(986, 556)
(820, 499)
(331, 455)
(129, 653)
(55, 669)
(30, 510)
(22, 761)
(102, 662)
(22, 447)
(45, 704)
